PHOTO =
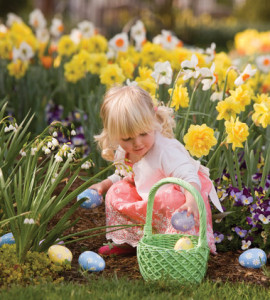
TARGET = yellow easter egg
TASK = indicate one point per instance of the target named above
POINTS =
(183, 243)
(60, 254)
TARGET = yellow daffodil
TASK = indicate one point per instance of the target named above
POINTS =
(262, 98)
(95, 44)
(97, 62)
(152, 53)
(199, 140)
(261, 116)
(83, 60)
(228, 108)
(149, 85)
(111, 75)
(144, 73)
(20, 32)
(242, 96)
(180, 97)
(237, 132)
(127, 67)
(73, 71)
(17, 68)
(5, 48)
(66, 47)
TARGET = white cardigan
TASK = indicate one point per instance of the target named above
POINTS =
(167, 158)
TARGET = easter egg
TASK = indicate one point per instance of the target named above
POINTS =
(7, 239)
(180, 221)
(253, 258)
(91, 261)
(93, 198)
(60, 254)
(183, 243)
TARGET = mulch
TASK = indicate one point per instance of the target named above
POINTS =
(221, 267)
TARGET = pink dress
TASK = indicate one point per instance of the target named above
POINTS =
(125, 206)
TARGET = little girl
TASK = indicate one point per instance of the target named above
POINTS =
(139, 135)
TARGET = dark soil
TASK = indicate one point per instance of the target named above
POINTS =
(221, 267)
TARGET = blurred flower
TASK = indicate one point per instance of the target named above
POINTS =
(13, 18)
(17, 68)
(237, 132)
(217, 96)
(210, 53)
(86, 28)
(138, 34)
(167, 40)
(66, 47)
(119, 42)
(24, 52)
(37, 20)
(245, 75)
(190, 67)
(57, 27)
(246, 200)
(264, 219)
(199, 140)
(111, 74)
(241, 232)
(242, 96)
(131, 83)
(73, 71)
(43, 35)
(75, 36)
(97, 62)
(96, 44)
(180, 97)
(219, 237)
(162, 73)
(263, 63)
(87, 165)
(46, 61)
(29, 221)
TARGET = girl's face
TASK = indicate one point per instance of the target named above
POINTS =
(139, 145)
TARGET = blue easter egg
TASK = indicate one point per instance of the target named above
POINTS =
(7, 239)
(91, 261)
(253, 258)
(180, 221)
(93, 198)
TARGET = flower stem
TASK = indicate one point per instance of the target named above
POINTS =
(236, 162)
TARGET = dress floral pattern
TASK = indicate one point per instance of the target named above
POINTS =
(125, 206)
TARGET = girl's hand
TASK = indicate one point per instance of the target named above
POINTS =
(191, 207)
(102, 187)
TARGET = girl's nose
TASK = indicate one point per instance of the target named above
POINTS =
(136, 141)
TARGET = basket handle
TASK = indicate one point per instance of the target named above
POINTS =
(197, 196)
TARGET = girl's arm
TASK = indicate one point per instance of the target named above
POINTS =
(102, 187)
(191, 206)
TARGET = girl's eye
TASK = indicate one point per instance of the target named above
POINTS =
(126, 140)
(144, 134)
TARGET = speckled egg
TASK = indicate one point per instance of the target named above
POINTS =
(183, 243)
(180, 221)
(253, 258)
(93, 199)
(7, 239)
(60, 254)
(91, 261)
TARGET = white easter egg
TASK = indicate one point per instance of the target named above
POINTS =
(91, 261)
(183, 243)
(253, 258)
(93, 199)
(60, 254)
(7, 239)
(180, 221)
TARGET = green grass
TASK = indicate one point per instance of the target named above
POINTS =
(123, 289)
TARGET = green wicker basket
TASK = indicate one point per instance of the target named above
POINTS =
(155, 252)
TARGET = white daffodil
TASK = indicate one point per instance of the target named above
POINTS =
(57, 27)
(210, 53)
(86, 28)
(138, 34)
(119, 42)
(13, 18)
(167, 40)
(24, 52)
(245, 75)
(263, 63)
(3, 28)
(131, 83)
(162, 72)
(111, 53)
(42, 35)
(190, 68)
(37, 19)
(209, 77)
(76, 36)
(217, 96)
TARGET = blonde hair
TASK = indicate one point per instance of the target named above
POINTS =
(129, 111)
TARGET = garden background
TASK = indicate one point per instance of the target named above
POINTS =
(208, 60)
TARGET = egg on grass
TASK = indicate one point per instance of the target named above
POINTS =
(60, 254)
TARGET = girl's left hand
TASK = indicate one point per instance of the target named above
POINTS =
(191, 207)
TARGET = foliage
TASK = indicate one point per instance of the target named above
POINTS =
(36, 269)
